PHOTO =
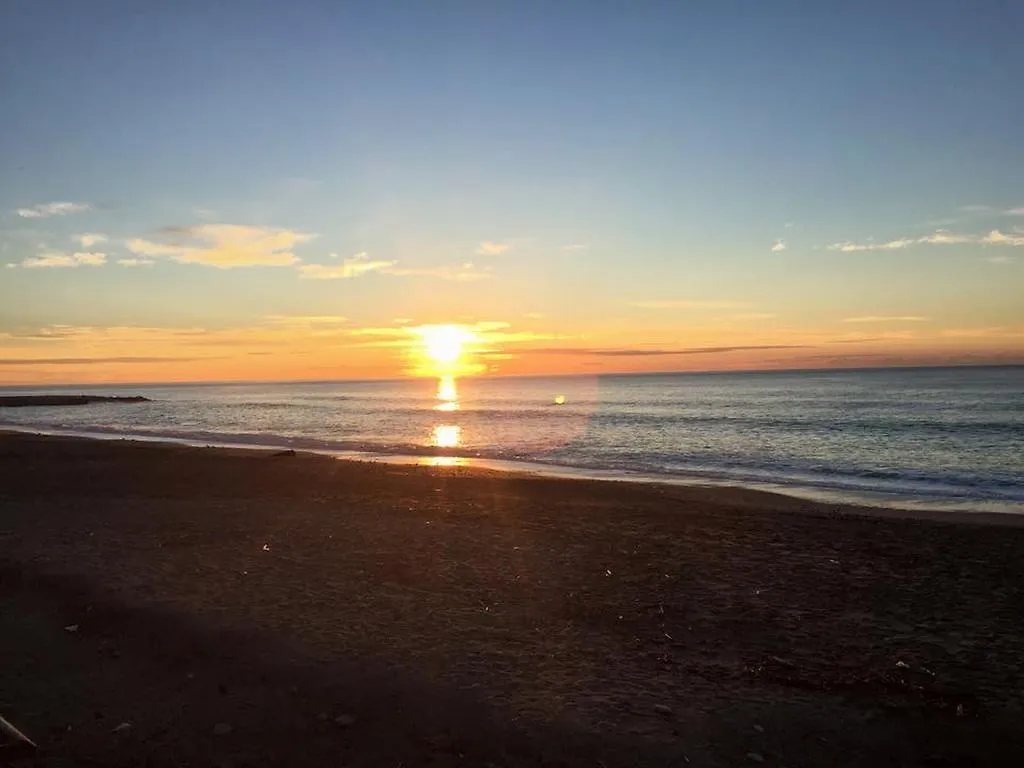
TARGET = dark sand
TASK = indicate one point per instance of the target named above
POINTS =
(457, 618)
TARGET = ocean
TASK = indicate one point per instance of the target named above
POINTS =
(936, 438)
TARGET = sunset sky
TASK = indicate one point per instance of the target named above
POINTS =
(271, 190)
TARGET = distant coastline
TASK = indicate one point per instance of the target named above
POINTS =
(29, 401)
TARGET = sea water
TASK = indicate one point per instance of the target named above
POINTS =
(932, 438)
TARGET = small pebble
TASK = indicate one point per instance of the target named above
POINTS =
(322, 717)
(222, 729)
(122, 728)
(759, 728)
(345, 721)
(755, 756)
(71, 628)
(663, 709)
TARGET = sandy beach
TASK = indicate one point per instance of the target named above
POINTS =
(163, 605)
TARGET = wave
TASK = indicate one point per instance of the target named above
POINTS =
(875, 487)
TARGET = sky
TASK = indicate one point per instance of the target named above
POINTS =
(296, 190)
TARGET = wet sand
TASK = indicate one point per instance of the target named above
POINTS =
(243, 608)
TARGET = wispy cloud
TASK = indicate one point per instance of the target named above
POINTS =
(307, 320)
(136, 262)
(992, 210)
(575, 247)
(987, 332)
(46, 210)
(59, 260)
(940, 237)
(490, 248)
(655, 352)
(864, 338)
(89, 239)
(463, 273)
(754, 316)
(779, 245)
(358, 265)
(688, 304)
(1000, 259)
(995, 237)
(886, 319)
(225, 246)
(311, 326)
(534, 316)
(95, 360)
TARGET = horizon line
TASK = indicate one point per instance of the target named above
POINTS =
(371, 380)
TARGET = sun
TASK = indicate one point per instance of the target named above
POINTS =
(444, 344)
(445, 351)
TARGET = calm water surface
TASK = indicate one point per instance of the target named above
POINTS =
(941, 438)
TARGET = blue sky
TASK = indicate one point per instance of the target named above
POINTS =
(611, 166)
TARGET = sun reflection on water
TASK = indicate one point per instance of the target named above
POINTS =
(447, 394)
(443, 461)
(446, 436)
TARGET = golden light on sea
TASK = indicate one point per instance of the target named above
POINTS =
(446, 436)
(447, 394)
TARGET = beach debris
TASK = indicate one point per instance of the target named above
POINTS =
(758, 728)
(607, 572)
(222, 729)
(902, 664)
(14, 741)
(663, 709)
(279, 454)
(345, 721)
(266, 547)
(959, 710)
(756, 757)
(72, 628)
(122, 728)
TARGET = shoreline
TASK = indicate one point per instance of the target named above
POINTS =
(231, 604)
(882, 503)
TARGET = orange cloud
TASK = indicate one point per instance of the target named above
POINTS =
(360, 264)
(489, 248)
(59, 260)
(225, 246)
